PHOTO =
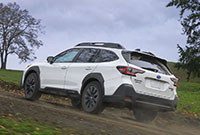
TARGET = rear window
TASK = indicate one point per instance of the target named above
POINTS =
(147, 62)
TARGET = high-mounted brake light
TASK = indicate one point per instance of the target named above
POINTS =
(175, 80)
(129, 70)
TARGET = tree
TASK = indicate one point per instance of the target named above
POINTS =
(189, 57)
(189, 60)
(18, 33)
(190, 21)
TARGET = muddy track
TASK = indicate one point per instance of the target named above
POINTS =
(111, 122)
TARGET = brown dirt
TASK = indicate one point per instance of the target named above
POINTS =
(9, 85)
(59, 113)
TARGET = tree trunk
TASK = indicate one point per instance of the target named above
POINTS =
(188, 76)
(3, 65)
(3, 61)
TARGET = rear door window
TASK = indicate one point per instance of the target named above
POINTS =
(106, 56)
(87, 55)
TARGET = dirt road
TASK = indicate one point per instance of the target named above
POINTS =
(111, 122)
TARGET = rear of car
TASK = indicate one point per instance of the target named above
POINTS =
(153, 84)
(147, 85)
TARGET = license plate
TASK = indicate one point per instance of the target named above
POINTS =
(156, 84)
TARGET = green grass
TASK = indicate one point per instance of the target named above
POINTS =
(189, 97)
(10, 126)
(13, 76)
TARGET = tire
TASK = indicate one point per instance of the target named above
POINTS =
(91, 99)
(76, 102)
(144, 115)
(31, 87)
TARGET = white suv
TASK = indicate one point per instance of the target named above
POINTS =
(95, 75)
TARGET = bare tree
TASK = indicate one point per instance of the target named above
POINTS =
(18, 33)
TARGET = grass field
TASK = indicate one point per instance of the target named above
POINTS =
(189, 98)
(188, 92)
(11, 126)
(12, 76)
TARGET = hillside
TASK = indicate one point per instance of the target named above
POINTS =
(189, 92)
(181, 74)
(11, 76)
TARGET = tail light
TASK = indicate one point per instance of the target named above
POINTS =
(175, 80)
(129, 70)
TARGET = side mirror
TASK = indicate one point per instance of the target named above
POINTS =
(50, 59)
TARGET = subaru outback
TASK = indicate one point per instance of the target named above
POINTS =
(96, 75)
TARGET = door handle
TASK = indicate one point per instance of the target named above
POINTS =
(63, 67)
(88, 68)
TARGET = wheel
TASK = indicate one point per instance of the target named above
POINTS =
(91, 99)
(144, 115)
(31, 87)
(76, 102)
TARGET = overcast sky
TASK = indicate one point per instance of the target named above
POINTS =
(144, 24)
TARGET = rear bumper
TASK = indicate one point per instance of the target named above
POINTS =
(126, 94)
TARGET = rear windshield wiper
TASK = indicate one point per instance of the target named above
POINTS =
(151, 69)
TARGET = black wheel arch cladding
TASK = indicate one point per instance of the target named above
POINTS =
(93, 77)
(34, 69)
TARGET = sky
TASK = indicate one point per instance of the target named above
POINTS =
(144, 24)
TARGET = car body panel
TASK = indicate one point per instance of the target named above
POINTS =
(76, 73)
(53, 75)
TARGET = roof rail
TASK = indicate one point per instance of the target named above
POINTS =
(137, 49)
(150, 53)
(102, 44)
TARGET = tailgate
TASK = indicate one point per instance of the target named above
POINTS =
(154, 84)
